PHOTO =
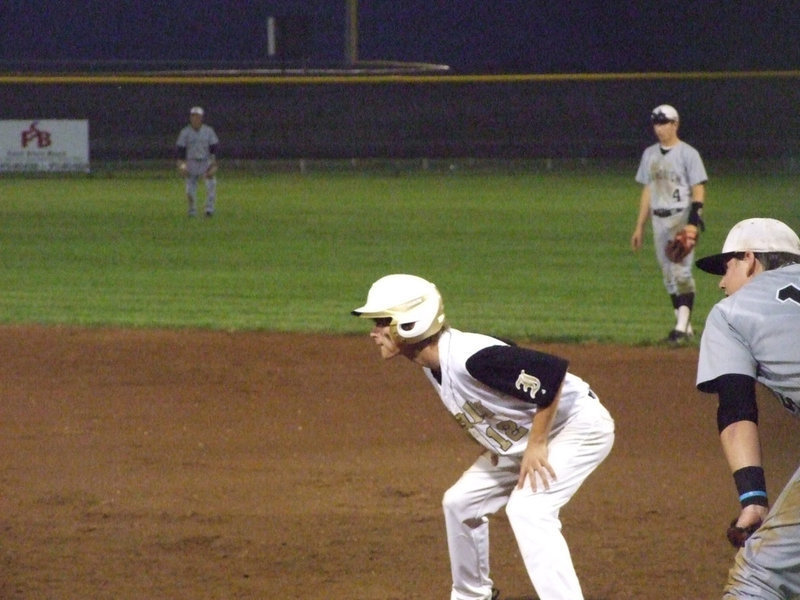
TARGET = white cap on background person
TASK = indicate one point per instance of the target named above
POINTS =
(196, 110)
(664, 114)
(752, 235)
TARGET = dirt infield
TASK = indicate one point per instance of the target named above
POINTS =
(213, 465)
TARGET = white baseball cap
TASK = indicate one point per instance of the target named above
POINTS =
(753, 235)
(664, 114)
(196, 110)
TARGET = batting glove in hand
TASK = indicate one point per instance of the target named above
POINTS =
(737, 536)
(682, 244)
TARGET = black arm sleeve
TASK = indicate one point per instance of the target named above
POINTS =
(181, 152)
(213, 149)
(696, 216)
(737, 399)
(526, 374)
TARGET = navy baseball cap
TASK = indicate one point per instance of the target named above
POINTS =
(664, 114)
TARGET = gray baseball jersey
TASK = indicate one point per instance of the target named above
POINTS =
(756, 332)
(197, 142)
(670, 176)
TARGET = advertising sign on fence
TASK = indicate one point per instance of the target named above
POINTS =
(44, 145)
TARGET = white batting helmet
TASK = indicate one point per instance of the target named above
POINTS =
(413, 303)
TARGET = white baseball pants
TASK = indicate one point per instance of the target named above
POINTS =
(489, 484)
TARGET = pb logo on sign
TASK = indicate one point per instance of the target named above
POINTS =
(34, 134)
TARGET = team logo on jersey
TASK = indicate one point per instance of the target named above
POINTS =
(528, 383)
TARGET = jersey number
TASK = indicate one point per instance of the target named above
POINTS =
(789, 293)
(500, 434)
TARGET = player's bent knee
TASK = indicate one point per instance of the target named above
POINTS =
(458, 506)
(453, 500)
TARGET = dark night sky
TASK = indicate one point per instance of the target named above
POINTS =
(469, 35)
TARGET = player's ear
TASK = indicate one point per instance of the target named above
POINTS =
(753, 264)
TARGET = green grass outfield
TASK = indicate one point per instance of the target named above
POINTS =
(540, 255)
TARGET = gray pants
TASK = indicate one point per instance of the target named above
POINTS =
(768, 567)
(677, 277)
(196, 170)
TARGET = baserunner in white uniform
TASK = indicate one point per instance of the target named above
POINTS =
(542, 428)
(197, 159)
(752, 336)
(673, 180)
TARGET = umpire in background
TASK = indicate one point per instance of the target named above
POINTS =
(197, 150)
(752, 336)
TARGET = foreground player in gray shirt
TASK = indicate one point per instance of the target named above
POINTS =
(754, 335)
(197, 149)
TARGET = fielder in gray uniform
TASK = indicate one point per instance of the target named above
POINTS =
(542, 429)
(197, 149)
(673, 180)
(754, 335)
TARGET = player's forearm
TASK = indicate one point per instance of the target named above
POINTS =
(699, 193)
(741, 445)
(644, 208)
(543, 421)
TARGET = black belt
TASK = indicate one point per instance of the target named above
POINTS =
(666, 212)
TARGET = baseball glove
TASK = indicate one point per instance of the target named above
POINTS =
(737, 536)
(682, 244)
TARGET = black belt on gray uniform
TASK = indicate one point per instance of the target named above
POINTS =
(666, 212)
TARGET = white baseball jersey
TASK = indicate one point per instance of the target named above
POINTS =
(493, 390)
(756, 332)
(500, 419)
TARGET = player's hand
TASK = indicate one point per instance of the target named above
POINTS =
(637, 239)
(211, 171)
(535, 464)
(182, 168)
(751, 514)
(749, 521)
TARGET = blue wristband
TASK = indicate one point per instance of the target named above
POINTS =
(753, 494)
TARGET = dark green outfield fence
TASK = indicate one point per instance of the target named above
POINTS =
(726, 115)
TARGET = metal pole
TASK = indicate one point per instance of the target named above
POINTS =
(351, 50)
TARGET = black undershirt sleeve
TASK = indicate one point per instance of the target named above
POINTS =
(181, 150)
(737, 399)
(526, 374)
